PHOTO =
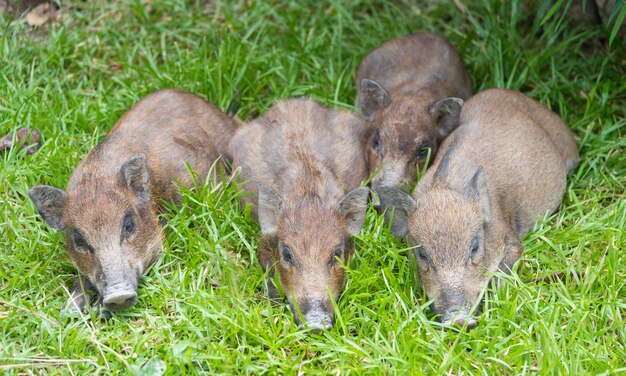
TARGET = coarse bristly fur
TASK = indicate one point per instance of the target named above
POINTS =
(503, 168)
(109, 208)
(304, 163)
(411, 89)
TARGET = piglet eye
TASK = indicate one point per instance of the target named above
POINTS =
(475, 250)
(421, 254)
(79, 241)
(376, 145)
(288, 257)
(423, 150)
(128, 225)
(337, 253)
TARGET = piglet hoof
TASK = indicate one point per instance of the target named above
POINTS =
(272, 292)
(80, 297)
(77, 306)
(74, 307)
(78, 301)
(101, 312)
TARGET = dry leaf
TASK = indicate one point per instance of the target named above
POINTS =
(40, 14)
(25, 137)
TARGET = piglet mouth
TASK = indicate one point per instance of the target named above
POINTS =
(119, 297)
(458, 319)
(318, 322)
(405, 187)
(316, 319)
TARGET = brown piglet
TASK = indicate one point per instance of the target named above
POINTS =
(503, 168)
(110, 206)
(411, 89)
(304, 163)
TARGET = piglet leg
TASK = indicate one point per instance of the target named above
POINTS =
(80, 299)
(99, 308)
(272, 291)
(513, 251)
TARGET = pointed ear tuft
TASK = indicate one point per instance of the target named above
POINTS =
(353, 207)
(50, 202)
(447, 112)
(398, 206)
(270, 205)
(372, 98)
(476, 190)
(134, 174)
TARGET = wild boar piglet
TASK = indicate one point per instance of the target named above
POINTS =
(304, 163)
(109, 208)
(503, 168)
(411, 90)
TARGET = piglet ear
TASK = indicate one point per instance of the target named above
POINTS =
(134, 174)
(353, 208)
(447, 112)
(269, 207)
(372, 98)
(399, 205)
(476, 190)
(50, 202)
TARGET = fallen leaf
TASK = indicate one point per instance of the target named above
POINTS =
(40, 14)
(25, 137)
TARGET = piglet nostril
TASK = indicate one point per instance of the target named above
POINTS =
(318, 327)
(460, 321)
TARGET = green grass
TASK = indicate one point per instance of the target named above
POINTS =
(201, 307)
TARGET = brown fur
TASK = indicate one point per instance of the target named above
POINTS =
(300, 160)
(503, 168)
(163, 132)
(416, 71)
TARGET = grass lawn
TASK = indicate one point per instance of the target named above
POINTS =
(201, 307)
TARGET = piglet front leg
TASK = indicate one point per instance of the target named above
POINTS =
(80, 299)
(272, 290)
(512, 252)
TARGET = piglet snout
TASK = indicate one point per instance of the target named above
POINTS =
(460, 319)
(317, 322)
(119, 299)
(318, 317)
